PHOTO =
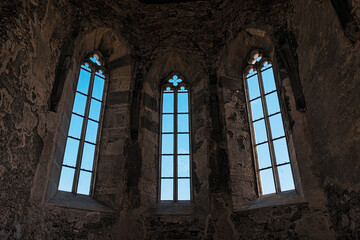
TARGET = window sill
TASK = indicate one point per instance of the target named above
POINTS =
(164, 208)
(83, 202)
(272, 200)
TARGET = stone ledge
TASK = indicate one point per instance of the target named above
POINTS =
(83, 202)
(272, 200)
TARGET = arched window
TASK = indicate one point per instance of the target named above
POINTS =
(82, 140)
(175, 142)
(274, 172)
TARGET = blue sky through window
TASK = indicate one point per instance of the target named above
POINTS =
(263, 155)
(184, 189)
(87, 107)
(253, 86)
(79, 104)
(285, 177)
(183, 122)
(175, 175)
(167, 189)
(84, 182)
(66, 179)
(256, 109)
(267, 181)
(72, 147)
(84, 80)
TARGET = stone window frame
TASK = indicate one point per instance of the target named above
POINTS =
(280, 198)
(72, 199)
(164, 84)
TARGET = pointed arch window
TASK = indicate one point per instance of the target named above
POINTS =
(270, 148)
(175, 152)
(77, 171)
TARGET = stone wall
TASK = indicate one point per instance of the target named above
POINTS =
(314, 48)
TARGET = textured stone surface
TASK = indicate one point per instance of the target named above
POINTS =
(315, 48)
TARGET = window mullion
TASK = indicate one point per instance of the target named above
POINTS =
(268, 130)
(175, 145)
(83, 132)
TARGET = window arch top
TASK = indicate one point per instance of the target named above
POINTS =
(95, 62)
(175, 83)
(257, 61)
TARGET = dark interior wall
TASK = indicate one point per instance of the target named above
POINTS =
(330, 81)
(207, 42)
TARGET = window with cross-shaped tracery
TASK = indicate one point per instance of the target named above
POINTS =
(82, 140)
(175, 184)
(274, 171)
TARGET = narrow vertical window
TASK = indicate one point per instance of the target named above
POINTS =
(78, 162)
(268, 136)
(175, 142)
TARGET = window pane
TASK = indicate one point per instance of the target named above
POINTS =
(167, 192)
(167, 166)
(167, 144)
(183, 104)
(168, 123)
(183, 122)
(66, 179)
(183, 143)
(268, 80)
(91, 131)
(88, 156)
(75, 126)
(256, 109)
(272, 103)
(260, 131)
(183, 189)
(79, 104)
(98, 88)
(71, 151)
(267, 181)
(281, 151)
(276, 125)
(84, 183)
(83, 83)
(286, 178)
(263, 155)
(183, 166)
(253, 86)
(168, 102)
(95, 108)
